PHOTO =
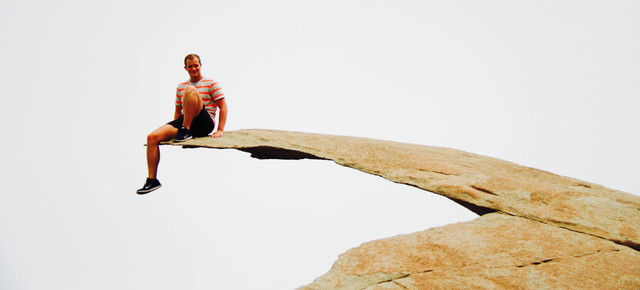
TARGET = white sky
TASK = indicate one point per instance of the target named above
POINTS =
(547, 84)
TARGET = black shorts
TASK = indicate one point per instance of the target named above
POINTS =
(201, 126)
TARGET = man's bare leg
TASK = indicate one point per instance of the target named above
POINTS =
(164, 133)
(191, 105)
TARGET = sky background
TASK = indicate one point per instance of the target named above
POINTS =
(546, 84)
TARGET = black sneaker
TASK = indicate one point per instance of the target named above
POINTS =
(149, 186)
(183, 135)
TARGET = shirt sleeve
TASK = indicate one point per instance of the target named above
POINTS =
(216, 92)
(179, 96)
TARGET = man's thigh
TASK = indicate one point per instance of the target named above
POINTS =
(164, 133)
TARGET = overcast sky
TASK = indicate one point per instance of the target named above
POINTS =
(546, 84)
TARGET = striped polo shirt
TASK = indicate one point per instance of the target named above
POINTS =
(209, 90)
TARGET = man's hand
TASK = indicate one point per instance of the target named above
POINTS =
(217, 134)
(222, 104)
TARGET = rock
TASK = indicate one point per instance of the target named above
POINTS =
(537, 229)
(492, 252)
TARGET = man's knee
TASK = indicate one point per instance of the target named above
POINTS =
(162, 134)
(191, 96)
(190, 90)
(153, 138)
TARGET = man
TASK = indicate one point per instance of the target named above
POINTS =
(197, 101)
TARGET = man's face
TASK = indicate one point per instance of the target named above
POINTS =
(193, 67)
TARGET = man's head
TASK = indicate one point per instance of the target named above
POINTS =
(192, 56)
(192, 64)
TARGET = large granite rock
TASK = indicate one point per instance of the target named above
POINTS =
(537, 229)
(494, 251)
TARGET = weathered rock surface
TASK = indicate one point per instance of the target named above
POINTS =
(538, 229)
(493, 251)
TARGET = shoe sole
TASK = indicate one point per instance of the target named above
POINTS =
(145, 191)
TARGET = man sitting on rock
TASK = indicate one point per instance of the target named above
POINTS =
(197, 101)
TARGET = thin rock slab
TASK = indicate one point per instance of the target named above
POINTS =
(482, 184)
(495, 251)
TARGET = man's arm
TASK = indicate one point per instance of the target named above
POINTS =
(222, 104)
(178, 112)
